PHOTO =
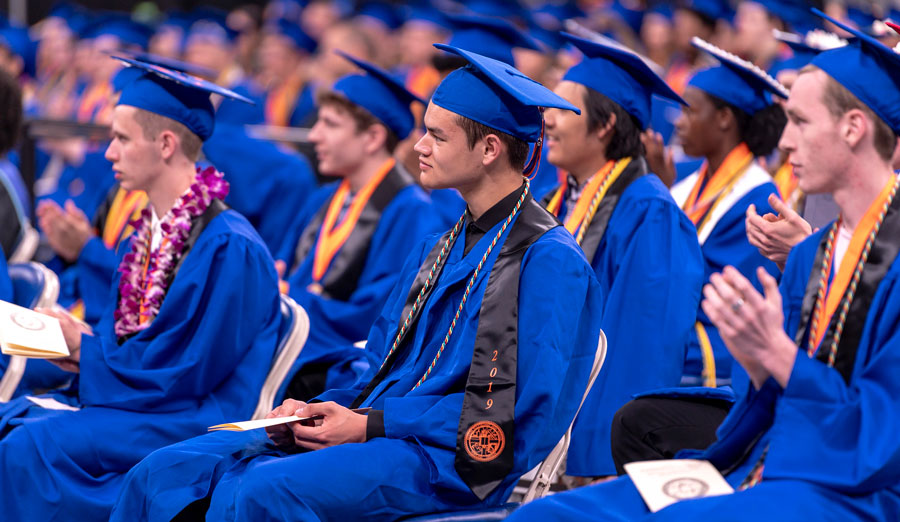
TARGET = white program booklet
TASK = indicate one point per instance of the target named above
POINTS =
(30, 334)
(664, 482)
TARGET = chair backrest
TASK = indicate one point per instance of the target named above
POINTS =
(34, 286)
(549, 468)
(292, 335)
(27, 245)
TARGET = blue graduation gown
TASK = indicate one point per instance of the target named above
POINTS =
(449, 205)
(727, 244)
(336, 324)
(6, 289)
(202, 361)
(411, 470)
(832, 454)
(87, 184)
(651, 271)
(269, 184)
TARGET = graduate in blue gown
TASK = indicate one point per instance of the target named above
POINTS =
(269, 183)
(636, 238)
(808, 438)
(348, 243)
(188, 341)
(730, 121)
(461, 407)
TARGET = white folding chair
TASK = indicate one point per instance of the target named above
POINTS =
(27, 246)
(292, 335)
(548, 470)
(34, 286)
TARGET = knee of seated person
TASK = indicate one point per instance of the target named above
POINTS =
(625, 420)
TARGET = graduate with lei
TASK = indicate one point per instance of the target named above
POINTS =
(642, 247)
(730, 121)
(351, 238)
(189, 336)
(478, 367)
(808, 439)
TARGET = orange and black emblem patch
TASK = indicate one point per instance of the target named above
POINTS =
(485, 441)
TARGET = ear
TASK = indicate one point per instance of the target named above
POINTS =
(854, 126)
(169, 143)
(724, 119)
(492, 149)
(604, 132)
(375, 138)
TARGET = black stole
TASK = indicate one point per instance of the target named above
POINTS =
(198, 225)
(485, 437)
(597, 228)
(342, 276)
(882, 255)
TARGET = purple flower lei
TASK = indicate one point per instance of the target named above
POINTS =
(137, 288)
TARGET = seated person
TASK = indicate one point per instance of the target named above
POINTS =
(642, 247)
(351, 238)
(478, 368)
(809, 439)
(730, 135)
(730, 121)
(15, 207)
(6, 288)
(188, 338)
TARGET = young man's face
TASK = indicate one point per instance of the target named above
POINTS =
(569, 144)
(445, 159)
(136, 160)
(339, 145)
(812, 136)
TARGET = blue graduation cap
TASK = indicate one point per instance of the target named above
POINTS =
(794, 13)
(508, 9)
(491, 37)
(498, 95)
(381, 94)
(214, 29)
(428, 14)
(806, 47)
(711, 9)
(293, 32)
(868, 69)
(736, 81)
(173, 94)
(126, 30)
(384, 13)
(17, 40)
(621, 75)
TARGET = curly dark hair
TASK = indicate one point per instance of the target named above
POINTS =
(762, 130)
(11, 107)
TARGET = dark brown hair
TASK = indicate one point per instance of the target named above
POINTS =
(517, 150)
(361, 117)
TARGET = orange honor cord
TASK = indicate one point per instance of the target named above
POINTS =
(331, 237)
(699, 204)
(126, 207)
(834, 293)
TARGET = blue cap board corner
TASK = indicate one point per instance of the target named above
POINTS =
(735, 81)
(293, 32)
(868, 69)
(497, 95)
(380, 93)
(174, 94)
(621, 75)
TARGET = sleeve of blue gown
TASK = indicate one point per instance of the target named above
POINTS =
(838, 435)
(385, 327)
(648, 318)
(404, 223)
(96, 270)
(559, 325)
(223, 298)
(6, 289)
